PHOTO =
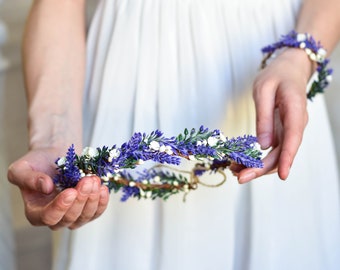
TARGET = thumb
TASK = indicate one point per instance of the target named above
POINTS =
(21, 174)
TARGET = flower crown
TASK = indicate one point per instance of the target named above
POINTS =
(211, 150)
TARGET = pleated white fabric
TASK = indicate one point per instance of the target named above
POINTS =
(171, 64)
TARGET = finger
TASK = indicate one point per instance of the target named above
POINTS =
(269, 166)
(22, 175)
(84, 188)
(294, 122)
(264, 105)
(292, 138)
(103, 201)
(53, 212)
(90, 207)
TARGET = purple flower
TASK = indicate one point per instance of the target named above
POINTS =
(69, 173)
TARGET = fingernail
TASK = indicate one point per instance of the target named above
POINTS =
(40, 185)
(69, 199)
(264, 140)
(247, 177)
(86, 188)
(103, 192)
(95, 188)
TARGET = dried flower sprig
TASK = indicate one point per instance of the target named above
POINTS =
(211, 150)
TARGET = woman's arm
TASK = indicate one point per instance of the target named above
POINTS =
(280, 90)
(54, 63)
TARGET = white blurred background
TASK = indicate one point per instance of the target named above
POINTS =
(31, 245)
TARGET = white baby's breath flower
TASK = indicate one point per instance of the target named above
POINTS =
(199, 143)
(61, 161)
(212, 141)
(114, 153)
(140, 162)
(329, 78)
(148, 194)
(105, 178)
(223, 138)
(322, 52)
(132, 184)
(157, 179)
(302, 45)
(301, 37)
(308, 51)
(142, 192)
(312, 56)
(90, 152)
(192, 157)
(162, 148)
(175, 183)
(154, 145)
(168, 150)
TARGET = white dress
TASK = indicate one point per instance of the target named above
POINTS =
(171, 64)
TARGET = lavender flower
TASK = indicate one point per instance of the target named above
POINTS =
(69, 173)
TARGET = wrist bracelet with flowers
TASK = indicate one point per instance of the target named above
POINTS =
(315, 52)
(211, 151)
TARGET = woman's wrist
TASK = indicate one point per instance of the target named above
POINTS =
(53, 131)
(300, 59)
(313, 51)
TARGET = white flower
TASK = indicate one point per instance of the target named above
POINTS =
(148, 194)
(302, 45)
(312, 57)
(168, 150)
(199, 143)
(223, 138)
(142, 192)
(176, 183)
(157, 179)
(105, 178)
(154, 145)
(90, 152)
(301, 37)
(212, 141)
(162, 148)
(132, 184)
(322, 52)
(308, 51)
(114, 153)
(140, 162)
(329, 78)
(61, 161)
(192, 157)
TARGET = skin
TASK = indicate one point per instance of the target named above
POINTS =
(59, 38)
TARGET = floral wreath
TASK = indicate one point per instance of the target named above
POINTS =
(211, 150)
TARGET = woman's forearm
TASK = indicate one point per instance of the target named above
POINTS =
(321, 19)
(54, 64)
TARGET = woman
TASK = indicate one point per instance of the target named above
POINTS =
(170, 65)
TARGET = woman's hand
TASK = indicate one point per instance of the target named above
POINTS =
(279, 94)
(44, 206)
